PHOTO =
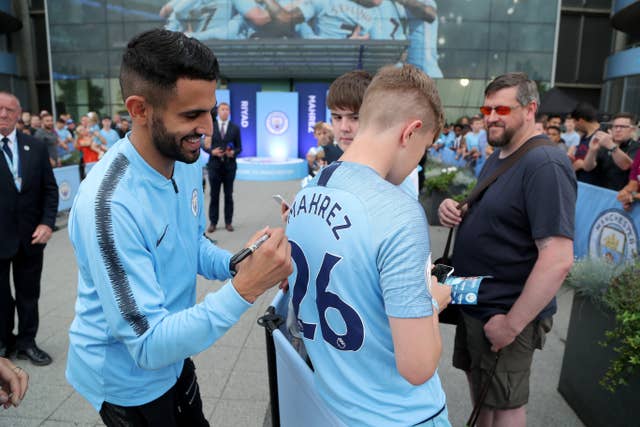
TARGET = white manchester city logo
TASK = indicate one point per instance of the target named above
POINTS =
(277, 122)
(64, 190)
(194, 202)
(613, 236)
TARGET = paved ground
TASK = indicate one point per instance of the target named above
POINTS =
(232, 373)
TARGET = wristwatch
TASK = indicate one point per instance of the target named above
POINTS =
(613, 149)
(232, 268)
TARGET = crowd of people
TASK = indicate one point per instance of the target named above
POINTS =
(603, 152)
(375, 305)
(69, 142)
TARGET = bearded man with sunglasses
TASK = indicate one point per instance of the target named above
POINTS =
(519, 233)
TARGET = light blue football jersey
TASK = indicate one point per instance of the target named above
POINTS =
(337, 19)
(361, 251)
(388, 21)
(204, 19)
(423, 42)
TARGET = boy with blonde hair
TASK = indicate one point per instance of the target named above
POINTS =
(363, 295)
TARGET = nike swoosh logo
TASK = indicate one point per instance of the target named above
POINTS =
(163, 234)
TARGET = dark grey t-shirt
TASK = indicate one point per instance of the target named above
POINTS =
(50, 138)
(532, 200)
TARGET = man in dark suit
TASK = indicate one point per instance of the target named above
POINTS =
(28, 207)
(224, 148)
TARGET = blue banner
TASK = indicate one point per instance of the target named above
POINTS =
(311, 109)
(603, 228)
(277, 125)
(68, 179)
(243, 113)
(223, 95)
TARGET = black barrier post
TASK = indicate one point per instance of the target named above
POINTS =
(271, 321)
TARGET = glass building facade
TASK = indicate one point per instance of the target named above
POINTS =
(621, 90)
(472, 41)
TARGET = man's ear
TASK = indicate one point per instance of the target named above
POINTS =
(408, 131)
(533, 108)
(139, 109)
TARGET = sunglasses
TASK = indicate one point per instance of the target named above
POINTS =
(501, 110)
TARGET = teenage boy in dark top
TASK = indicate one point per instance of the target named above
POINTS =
(610, 156)
(520, 235)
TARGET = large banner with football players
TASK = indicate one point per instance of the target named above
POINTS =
(415, 21)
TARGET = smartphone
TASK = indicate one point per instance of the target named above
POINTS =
(441, 272)
(280, 200)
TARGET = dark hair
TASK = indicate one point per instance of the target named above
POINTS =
(554, 116)
(625, 115)
(476, 119)
(61, 120)
(527, 89)
(586, 112)
(554, 127)
(106, 118)
(154, 61)
(347, 91)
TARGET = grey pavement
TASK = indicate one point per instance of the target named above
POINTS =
(233, 372)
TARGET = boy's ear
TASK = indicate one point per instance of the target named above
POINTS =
(411, 128)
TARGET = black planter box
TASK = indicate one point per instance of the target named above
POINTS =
(431, 203)
(584, 364)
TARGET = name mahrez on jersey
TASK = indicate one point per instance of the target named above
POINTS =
(321, 205)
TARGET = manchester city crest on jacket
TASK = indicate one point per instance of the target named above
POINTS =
(194, 202)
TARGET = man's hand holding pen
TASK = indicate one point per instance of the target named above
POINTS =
(268, 265)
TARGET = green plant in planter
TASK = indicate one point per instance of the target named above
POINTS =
(467, 191)
(441, 182)
(617, 288)
(455, 181)
(623, 297)
(590, 277)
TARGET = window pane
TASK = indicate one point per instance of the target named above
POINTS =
(595, 48)
(67, 65)
(466, 35)
(536, 65)
(78, 37)
(567, 48)
(531, 37)
(455, 10)
(73, 11)
(525, 11)
(470, 64)
(632, 95)
(497, 64)
(454, 94)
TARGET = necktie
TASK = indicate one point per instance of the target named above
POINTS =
(5, 147)
(223, 129)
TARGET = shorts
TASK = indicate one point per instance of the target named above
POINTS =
(472, 353)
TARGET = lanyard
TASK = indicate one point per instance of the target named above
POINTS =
(14, 167)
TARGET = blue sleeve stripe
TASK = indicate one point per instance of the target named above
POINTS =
(326, 173)
(106, 242)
